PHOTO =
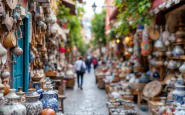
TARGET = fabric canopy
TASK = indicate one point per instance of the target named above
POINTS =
(61, 32)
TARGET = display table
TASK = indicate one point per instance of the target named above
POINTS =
(70, 82)
(61, 102)
(139, 94)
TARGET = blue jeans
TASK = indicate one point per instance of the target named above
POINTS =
(88, 69)
(79, 75)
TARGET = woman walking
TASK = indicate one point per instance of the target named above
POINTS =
(80, 68)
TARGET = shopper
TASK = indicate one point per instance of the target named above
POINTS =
(80, 68)
(88, 62)
(95, 63)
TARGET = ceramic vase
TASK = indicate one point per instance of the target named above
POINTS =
(12, 106)
(179, 93)
(48, 111)
(37, 86)
(156, 75)
(2, 97)
(33, 105)
(172, 64)
(182, 68)
(177, 51)
(21, 94)
(48, 99)
(144, 78)
(180, 80)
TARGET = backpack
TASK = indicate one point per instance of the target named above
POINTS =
(95, 62)
(82, 69)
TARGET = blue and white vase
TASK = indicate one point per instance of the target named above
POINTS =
(179, 93)
(178, 51)
(49, 99)
(33, 105)
(37, 86)
(12, 106)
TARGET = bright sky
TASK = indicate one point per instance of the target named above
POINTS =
(88, 7)
(89, 14)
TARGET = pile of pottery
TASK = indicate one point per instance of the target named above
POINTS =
(28, 103)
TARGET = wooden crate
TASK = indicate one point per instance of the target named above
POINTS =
(70, 82)
(50, 74)
(101, 83)
(107, 85)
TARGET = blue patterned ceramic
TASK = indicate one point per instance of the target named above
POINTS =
(144, 78)
(33, 105)
(12, 106)
(179, 93)
(156, 75)
(48, 99)
(37, 86)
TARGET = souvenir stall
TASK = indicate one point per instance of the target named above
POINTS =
(44, 47)
(153, 69)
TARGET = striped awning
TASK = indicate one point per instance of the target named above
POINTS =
(159, 5)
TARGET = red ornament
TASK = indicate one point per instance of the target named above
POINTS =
(64, 26)
(62, 50)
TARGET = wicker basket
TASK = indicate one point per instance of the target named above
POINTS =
(138, 86)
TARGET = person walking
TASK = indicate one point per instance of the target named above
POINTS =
(95, 63)
(88, 62)
(80, 68)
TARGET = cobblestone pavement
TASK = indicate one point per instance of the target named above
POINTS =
(89, 101)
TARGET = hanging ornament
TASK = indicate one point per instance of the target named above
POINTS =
(5, 73)
(145, 44)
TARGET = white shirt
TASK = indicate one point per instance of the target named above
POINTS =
(78, 65)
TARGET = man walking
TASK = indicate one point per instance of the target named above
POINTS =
(80, 68)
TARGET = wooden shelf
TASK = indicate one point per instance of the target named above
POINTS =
(178, 58)
(179, 43)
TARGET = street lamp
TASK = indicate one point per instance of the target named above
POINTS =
(94, 7)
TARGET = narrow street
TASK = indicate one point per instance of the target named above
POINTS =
(89, 101)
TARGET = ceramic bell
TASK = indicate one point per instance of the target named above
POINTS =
(3, 51)
(5, 74)
(159, 44)
(172, 38)
(17, 51)
(182, 68)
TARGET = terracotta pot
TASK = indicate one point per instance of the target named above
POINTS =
(128, 69)
(7, 88)
(159, 63)
(160, 54)
(48, 111)
(9, 40)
